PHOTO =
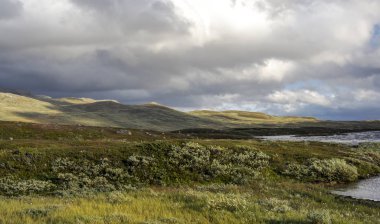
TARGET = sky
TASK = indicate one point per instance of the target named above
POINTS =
(285, 57)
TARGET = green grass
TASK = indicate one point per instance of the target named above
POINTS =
(110, 113)
(75, 174)
(89, 112)
(259, 203)
(249, 118)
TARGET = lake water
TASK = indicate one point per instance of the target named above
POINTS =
(349, 138)
(367, 189)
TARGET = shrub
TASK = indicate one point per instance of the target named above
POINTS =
(240, 165)
(319, 217)
(12, 186)
(276, 205)
(87, 175)
(145, 170)
(333, 170)
(118, 197)
(194, 162)
(228, 202)
(192, 157)
(328, 170)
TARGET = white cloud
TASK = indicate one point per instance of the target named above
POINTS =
(299, 97)
(367, 96)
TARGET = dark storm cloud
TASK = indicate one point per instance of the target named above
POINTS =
(153, 16)
(283, 57)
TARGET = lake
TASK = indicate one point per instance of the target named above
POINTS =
(348, 138)
(367, 189)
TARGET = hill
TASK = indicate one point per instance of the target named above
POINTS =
(152, 116)
(106, 113)
(249, 118)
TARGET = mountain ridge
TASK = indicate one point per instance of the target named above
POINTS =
(111, 113)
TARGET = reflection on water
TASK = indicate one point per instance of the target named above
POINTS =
(349, 138)
(367, 189)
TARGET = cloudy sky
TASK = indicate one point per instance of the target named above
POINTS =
(287, 57)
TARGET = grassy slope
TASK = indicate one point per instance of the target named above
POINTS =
(272, 198)
(249, 118)
(108, 113)
(97, 113)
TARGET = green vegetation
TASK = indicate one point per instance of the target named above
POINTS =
(153, 116)
(249, 118)
(104, 113)
(75, 174)
(326, 170)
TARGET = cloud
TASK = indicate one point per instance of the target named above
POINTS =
(299, 97)
(315, 58)
(150, 16)
(9, 9)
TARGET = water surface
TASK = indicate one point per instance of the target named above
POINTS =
(349, 138)
(367, 189)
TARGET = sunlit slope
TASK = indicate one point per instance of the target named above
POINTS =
(147, 116)
(109, 113)
(234, 117)
(97, 113)
(21, 108)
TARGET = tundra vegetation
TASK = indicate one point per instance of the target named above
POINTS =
(102, 175)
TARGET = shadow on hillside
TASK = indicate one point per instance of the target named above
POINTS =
(65, 118)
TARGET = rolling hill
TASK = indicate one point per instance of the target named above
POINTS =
(89, 112)
(249, 118)
(110, 113)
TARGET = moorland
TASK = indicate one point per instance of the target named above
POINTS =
(69, 161)
(78, 174)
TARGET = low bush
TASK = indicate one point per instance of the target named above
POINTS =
(276, 205)
(228, 202)
(11, 186)
(319, 217)
(83, 175)
(327, 170)
(191, 162)
(149, 164)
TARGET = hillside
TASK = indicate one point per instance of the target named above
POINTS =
(110, 113)
(91, 112)
(249, 118)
